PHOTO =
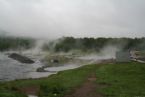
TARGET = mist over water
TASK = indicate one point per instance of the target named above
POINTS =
(11, 69)
(108, 52)
(46, 20)
(37, 48)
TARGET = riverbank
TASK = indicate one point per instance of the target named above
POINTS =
(112, 80)
(57, 84)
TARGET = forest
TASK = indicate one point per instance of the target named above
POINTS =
(15, 43)
(67, 44)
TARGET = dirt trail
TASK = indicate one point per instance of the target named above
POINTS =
(31, 90)
(87, 89)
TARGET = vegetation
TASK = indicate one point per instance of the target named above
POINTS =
(15, 43)
(66, 44)
(120, 80)
(6, 93)
(59, 84)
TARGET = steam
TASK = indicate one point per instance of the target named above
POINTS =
(37, 49)
(109, 51)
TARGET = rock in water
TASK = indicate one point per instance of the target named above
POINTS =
(21, 58)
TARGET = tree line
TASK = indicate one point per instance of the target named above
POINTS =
(15, 43)
(67, 44)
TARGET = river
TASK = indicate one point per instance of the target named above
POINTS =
(11, 69)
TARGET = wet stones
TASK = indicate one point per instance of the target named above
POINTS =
(20, 58)
(54, 61)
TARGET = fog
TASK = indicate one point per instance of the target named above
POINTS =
(108, 52)
(77, 18)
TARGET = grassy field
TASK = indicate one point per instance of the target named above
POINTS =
(120, 80)
(6, 93)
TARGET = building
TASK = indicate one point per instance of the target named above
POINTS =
(123, 56)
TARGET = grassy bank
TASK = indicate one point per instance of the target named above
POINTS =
(122, 80)
(53, 86)
(119, 80)
(6, 93)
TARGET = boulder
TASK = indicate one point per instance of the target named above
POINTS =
(54, 61)
(21, 58)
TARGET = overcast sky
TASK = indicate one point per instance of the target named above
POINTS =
(79, 18)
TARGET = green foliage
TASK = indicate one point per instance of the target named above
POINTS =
(66, 45)
(64, 82)
(122, 80)
(14, 43)
(96, 44)
(6, 93)
(56, 85)
(54, 89)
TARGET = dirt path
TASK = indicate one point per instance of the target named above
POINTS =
(87, 89)
(31, 90)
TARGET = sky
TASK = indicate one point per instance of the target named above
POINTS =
(77, 18)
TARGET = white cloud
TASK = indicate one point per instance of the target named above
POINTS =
(79, 18)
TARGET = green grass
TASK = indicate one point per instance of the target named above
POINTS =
(6, 93)
(122, 80)
(55, 85)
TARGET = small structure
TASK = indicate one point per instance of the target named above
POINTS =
(123, 56)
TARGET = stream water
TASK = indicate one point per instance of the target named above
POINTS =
(11, 69)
